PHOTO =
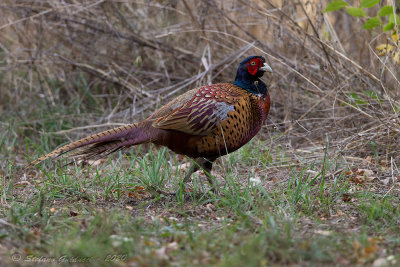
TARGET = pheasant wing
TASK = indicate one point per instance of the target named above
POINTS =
(201, 114)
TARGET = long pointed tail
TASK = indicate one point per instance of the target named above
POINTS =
(102, 143)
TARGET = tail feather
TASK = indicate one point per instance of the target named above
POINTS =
(102, 149)
(97, 144)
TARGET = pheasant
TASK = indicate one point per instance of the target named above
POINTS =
(203, 123)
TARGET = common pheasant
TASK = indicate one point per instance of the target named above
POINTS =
(203, 123)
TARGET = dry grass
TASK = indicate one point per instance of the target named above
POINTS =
(132, 56)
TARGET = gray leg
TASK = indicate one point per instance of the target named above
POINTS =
(203, 163)
(207, 167)
(193, 168)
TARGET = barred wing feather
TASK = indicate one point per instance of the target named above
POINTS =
(199, 116)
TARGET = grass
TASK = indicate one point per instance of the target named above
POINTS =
(110, 214)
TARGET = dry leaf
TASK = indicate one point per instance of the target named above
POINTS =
(96, 162)
(346, 197)
(323, 232)
(162, 253)
(210, 207)
(138, 192)
(255, 181)
(365, 253)
(380, 262)
(384, 162)
(149, 243)
(183, 167)
(313, 173)
(22, 184)
(370, 159)
(360, 176)
(358, 179)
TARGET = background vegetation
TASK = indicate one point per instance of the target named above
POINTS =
(319, 184)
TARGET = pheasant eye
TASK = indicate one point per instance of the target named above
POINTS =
(253, 63)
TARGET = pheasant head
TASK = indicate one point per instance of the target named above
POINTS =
(249, 72)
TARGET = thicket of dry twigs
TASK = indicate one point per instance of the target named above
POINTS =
(133, 56)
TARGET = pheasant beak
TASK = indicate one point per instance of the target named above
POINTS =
(266, 67)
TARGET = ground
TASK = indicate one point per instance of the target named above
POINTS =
(271, 207)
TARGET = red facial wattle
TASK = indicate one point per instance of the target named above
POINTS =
(254, 65)
(252, 69)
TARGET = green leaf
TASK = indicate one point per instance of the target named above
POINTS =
(372, 23)
(385, 10)
(371, 94)
(391, 18)
(335, 5)
(388, 27)
(354, 96)
(356, 11)
(369, 3)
